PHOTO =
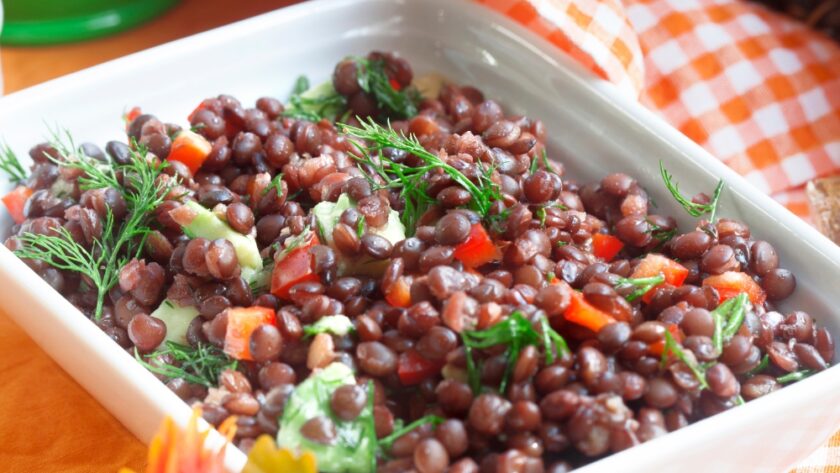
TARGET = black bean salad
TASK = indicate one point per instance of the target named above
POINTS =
(393, 274)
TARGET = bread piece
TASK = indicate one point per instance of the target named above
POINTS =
(824, 202)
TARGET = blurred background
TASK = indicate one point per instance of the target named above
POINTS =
(44, 39)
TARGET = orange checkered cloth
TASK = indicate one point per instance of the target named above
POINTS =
(756, 89)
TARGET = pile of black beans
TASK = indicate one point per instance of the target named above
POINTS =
(609, 394)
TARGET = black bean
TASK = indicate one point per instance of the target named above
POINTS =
(454, 397)
(376, 359)
(691, 245)
(319, 430)
(348, 401)
(721, 381)
(430, 456)
(661, 393)
(759, 385)
(719, 259)
(487, 414)
(240, 217)
(146, 332)
(376, 246)
(809, 357)
(452, 229)
(266, 343)
(453, 435)
(778, 284)
(221, 260)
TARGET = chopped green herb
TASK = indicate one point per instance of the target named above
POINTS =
(694, 209)
(200, 365)
(516, 332)
(360, 227)
(674, 348)
(642, 285)
(386, 442)
(546, 163)
(728, 318)
(541, 216)
(142, 191)
(276, 184)
(10, 164)
(795, 376)
(292, 243)
(301, 85)
(534, 166)
(374, 80)
(562, 243)
(412, 181)
(550, 276)
(761, 366)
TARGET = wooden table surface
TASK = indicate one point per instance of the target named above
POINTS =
(49, 423)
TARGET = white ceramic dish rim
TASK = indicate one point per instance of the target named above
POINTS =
(155, 393)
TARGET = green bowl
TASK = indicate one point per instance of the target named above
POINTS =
(38, 22)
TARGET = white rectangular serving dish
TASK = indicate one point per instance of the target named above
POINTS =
(591, 126)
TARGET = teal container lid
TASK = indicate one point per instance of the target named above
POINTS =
(42, 22)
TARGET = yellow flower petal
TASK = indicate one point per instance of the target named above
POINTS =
(265, 457)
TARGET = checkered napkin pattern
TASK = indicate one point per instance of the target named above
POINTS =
(597, 34)
(756, 89)
(825, 459)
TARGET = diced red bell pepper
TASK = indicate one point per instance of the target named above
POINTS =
(583, 313)
(732, 283)
(394, 84)
(399, 294)
(478, 249)
(654, 264)
(413, 369)
(294, 268)
(15, 201)
(606, 246)
(191, 149)
(242, 321)
(656, 348)
(130, 115)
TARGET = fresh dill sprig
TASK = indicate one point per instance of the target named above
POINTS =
(372, 138)
(142, 192)
(515, 332)
(374, 80)
(693, 208)
(199, 365)
(10, 164)
(642, 285)
(63, 252)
